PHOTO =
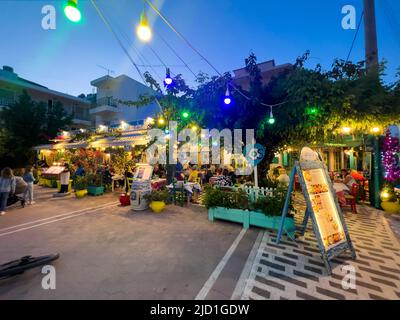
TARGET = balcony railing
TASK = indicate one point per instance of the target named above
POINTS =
(106, 101)
(6, 102)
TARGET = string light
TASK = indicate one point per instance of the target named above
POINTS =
(228, 99)
(185, 114)
(168, 79)
(271, 119)
(72, 12)
(161, 121)
(143, 30)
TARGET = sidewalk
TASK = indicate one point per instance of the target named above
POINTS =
(294, 270)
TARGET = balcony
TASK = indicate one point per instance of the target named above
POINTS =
(5, 102)
(104, 105)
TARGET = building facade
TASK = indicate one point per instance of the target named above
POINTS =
(109, 108)
(12, 86)
(268, 70)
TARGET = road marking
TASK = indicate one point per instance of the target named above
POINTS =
(60, 215)
(217, 271)
(241, 284)
(56, 220)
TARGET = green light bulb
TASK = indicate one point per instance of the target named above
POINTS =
(72, 12)
(271, 120)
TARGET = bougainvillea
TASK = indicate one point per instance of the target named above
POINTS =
(390, 157)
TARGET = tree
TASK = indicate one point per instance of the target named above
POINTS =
(26, 124)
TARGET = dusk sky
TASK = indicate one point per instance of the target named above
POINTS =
(225, 31)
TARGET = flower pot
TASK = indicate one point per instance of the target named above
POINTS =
(157, 206)
(125, 200)
(95, 191)
(81, 193)
(391, 207)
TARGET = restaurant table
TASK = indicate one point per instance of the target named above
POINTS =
(157, 184)
(187, 186)
(340, 186)
(117, 177)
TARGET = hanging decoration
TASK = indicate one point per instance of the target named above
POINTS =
(271, 119)
(168, 79)
(228, 99)
(390, 157)
(72, 12)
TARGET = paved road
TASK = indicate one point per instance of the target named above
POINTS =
(110, 252)
(294, 270)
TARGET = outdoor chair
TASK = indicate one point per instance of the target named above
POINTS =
(179, 194)
(351, 199)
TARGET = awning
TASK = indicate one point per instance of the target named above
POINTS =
(129, 138)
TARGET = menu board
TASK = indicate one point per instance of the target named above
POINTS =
(326, 214)
(322, 207)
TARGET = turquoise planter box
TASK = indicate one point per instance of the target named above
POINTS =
(251, 218)
(95, 191)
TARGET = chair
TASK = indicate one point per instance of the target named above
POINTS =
(351, 199)
(179, 194)
(129, 181)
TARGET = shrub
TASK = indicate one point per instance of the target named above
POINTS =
(157, 195)
(94, 180)
(222, 197)
(80, 183)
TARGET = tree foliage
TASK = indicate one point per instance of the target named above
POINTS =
(26, 124)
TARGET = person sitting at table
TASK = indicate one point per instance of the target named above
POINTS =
(223, 180)
(348, 179)
(194, 174)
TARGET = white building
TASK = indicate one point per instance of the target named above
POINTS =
(109, 110)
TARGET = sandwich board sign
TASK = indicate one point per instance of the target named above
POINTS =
(321, 206)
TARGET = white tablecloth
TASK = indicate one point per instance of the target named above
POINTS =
(340, 186)
(188, 186)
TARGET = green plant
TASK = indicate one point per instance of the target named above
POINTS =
(269, 183)
(272, 205)
(94, 180)
(80, 183)
(221, 197)
(157, 195)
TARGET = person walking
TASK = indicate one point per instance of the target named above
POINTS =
(64, 179)
(7, 187)
(29, 179)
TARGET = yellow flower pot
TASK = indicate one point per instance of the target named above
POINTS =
(81, 193)
(157, 206)
(391, 207)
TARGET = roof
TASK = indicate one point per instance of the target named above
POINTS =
(127, 138)
(26, 84)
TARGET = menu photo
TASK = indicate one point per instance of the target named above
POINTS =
(324, 207)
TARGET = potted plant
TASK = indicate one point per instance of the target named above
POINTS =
(235, 205)
(80, 187)
(157, 199)
(95, 184)
(125, 199)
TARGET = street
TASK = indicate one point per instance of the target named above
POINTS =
(110, 252)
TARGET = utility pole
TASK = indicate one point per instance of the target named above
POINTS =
(371, 43)
(372, 63)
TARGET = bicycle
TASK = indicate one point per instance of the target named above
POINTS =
(23, 264)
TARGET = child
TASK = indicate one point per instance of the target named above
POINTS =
(7, 187)
(29, 179)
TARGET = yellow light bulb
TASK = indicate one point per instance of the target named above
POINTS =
(346, 129)
(143, 30)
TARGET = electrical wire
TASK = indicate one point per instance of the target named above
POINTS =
(104, 19)
(177, 55)
(355, 36)
(182, 37)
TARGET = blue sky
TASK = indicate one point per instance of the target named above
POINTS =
(225, 31)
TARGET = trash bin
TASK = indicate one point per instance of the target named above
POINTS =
(138, 191)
